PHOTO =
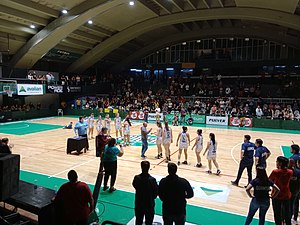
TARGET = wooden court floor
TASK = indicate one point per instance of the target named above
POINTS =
(45, 152)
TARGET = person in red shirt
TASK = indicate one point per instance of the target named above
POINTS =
(281, 177)
(74, 201)
(101, 140)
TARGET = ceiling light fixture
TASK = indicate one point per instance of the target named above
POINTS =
(32, 26)
(64, 11)
(90, 22)
(183, 43)
(247, 39)
(131, 3)
(198, 41)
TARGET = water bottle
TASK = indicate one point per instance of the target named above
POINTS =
(35, 186)
(55, 189)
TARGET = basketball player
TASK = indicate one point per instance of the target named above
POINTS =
(184, 138)
(211, 150)
(118, 125)
(107, 122)
(126, 126)
(167, 139)
(157, 116)
(99, 124)
(159, 134)
(90, 122)
(199, 146)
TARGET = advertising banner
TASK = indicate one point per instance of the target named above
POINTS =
(55, 89)
(197, 119)
(152, 116)
(73, 89)
(217, 120)
(240, 122)
(30, 89)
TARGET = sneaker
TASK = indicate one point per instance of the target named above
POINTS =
(105, 188)
(199, 165)
(294, 221)
(178, 163)
(208, 171)
(160, 155)
(234, 183)
(185, 163)
(112, 189)
(218, 172)
(157, 157)
(166, 160)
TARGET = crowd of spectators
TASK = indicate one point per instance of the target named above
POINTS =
(20, 107)
(77, 80)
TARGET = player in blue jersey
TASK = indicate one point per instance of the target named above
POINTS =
(295, 152)
(247, 153)
(261, 154)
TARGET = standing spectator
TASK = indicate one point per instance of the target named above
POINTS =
(294, 188)
(260, 198)
(173, 192)
(281, 177)
(261, 154)
(146, 191)
(146, 112)
(295, 152)
(144, 134)
(110, 163)
(101, 140)
(247, 153)
(74, 201)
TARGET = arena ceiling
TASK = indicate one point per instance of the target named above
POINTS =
(122, 33)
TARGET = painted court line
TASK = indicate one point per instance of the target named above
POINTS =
(231, 152)
(67, 170)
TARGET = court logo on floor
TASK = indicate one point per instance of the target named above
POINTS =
(212, 192)
(135, 140)
(158, 220)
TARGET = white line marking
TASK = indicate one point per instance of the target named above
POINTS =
(17, 128)
(67, 170)
(231, 152)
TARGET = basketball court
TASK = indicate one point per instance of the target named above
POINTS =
(42, 146)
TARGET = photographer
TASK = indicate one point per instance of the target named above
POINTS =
(110, 155)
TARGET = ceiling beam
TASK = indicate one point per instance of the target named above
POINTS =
(98, 29)
(16, 27)
(206, 4)
(164, 6)
(59, 29)
(253, 14)
(24, 16)
(33, 6)
(191, 4)
(86, 35)
(150, 7)
(221, 3)
(179, 4)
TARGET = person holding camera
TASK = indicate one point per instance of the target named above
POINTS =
(110, 156)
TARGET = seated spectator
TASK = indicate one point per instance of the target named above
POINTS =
(70, 126)
(74, 201)
(5, 147)
(259, 112)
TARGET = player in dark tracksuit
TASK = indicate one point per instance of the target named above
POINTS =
(247, 161)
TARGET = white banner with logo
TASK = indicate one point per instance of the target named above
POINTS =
(55, 88)
(30, 89)
(217, 120)
(152, 116)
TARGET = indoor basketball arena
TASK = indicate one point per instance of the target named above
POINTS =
(131, 112)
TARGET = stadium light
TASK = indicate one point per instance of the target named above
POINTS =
(90, 22)
(32, 26)
(64, 11)
(131, 3)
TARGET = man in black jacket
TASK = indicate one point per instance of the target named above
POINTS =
(4, 146)
(146, 192)
(173, 191)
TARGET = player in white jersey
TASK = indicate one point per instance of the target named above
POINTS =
(184, 138)
(118, 125)
(107, 122)
(90, 122)
(159, 134)
(211, 150)
(99, 124)
(126, 126)
(199, 146)
(167, 139)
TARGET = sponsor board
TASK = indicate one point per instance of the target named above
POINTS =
(30, 89)
(136, 115)
(211, 192)
(158, 220)
(197, 119)
(217, 120)
(73, 89)
(240, 122)
(55, 88)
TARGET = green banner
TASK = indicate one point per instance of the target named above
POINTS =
(197, 119)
